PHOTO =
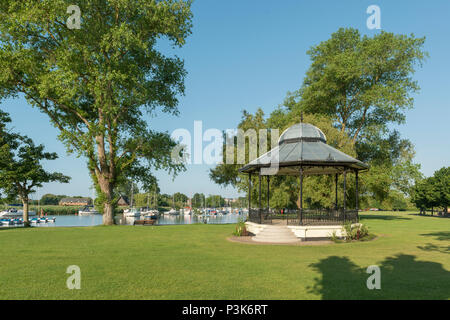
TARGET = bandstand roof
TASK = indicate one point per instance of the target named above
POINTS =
(303, 145)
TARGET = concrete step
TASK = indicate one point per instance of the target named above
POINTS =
(275, 234)
(279, 240)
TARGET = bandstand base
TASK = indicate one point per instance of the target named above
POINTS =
(303, 233)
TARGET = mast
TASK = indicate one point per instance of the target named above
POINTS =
(132, 190)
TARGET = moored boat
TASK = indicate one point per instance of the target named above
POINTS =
(131, 212)
(15, 213)
(87, 210)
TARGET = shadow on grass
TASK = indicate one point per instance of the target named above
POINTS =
(402, 277)
(442, 235)
(447, 216)
(382, 217)
(433, 247)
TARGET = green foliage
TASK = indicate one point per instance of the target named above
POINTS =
(95, 84)
(433, 191)
(198, 200)
(214, 201)
(355, 231)
(240, 230)
(355, 87)
(21, 170)
(360, 81)
(51, 199)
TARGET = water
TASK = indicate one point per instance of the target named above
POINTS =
(169, 219)
(96, 219)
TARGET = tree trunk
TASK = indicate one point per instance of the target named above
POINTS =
(108, 206)
(26, 221)
(108, 214)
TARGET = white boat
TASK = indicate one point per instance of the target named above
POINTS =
(173, 212)
(15, 213)
(186, 211)
(131, 212)
(87, 210)
(6, 222)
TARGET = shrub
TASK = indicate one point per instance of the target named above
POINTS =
(355, 232)
(241, 230)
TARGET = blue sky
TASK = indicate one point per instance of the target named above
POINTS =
(249, 54)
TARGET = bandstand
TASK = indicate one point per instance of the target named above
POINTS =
(302, 151)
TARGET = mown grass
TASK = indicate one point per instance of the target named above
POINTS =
(197, 262)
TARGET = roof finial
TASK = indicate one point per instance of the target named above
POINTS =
(301, 117)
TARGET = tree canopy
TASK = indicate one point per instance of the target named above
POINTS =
(21, 170)
(434, 191)
(97, 83)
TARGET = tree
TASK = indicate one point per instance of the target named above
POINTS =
(51, 199)
(21, 170)
(180, 199)
(361, 82)
(355, 87)
(433, 191)
(198, 200)
(425, 194)
(442, 185)
(214, 201)
(96, 83)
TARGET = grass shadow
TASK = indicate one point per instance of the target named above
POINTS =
(435, 248)
(402, 277)
(442, 235)
(382, 217)
(430, 216)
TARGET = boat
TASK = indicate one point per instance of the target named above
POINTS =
(43, 220)
(173, 212)
(187, 211)
(35, 220)
(87, 210)
(51, 219)
(150, 214)
(6, 222)
(15, 213)
(131, 212)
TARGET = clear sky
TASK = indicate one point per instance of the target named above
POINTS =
(249, 54)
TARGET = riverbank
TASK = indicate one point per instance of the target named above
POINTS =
(197, 262)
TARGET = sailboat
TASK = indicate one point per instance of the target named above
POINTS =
(172, 211)
(150, 213)
(132, 211)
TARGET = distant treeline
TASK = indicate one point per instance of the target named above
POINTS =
(46, 199)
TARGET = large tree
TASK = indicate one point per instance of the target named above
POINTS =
(21, 170)
(433, 191)
(361, 82)
(96, 83)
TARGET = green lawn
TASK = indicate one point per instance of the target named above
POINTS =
(197, 262)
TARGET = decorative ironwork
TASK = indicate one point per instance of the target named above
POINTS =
(309, 216)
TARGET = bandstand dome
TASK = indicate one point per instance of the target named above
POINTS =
(304, 145)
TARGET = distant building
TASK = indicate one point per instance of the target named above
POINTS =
(75, 202)
(123, 201)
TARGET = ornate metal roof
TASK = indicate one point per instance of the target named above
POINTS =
(303, 145)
